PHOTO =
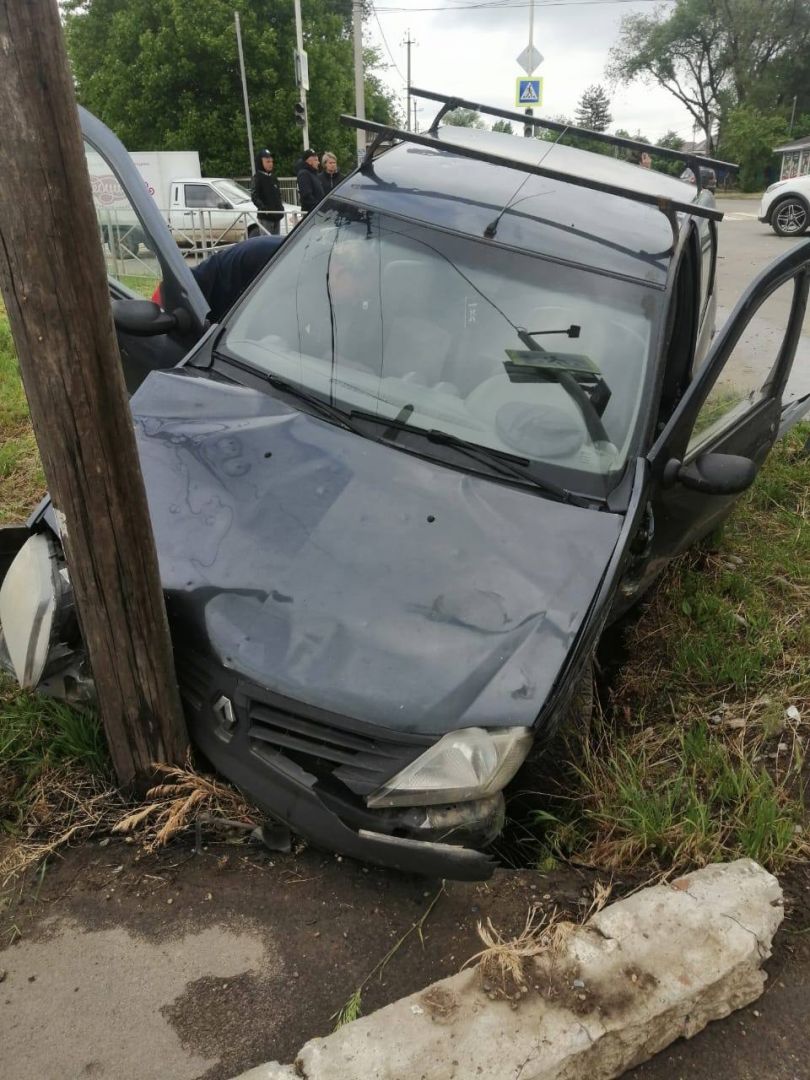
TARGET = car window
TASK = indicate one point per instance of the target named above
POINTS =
(708, 257)
(399, 319)
(744, 378)
(232, 192)
(128, 249)
(681, 330)
(202, 196)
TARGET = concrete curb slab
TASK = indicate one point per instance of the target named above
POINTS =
(645, 971)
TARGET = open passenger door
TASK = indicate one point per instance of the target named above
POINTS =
(731, 414)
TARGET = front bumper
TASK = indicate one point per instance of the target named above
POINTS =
(276, 775)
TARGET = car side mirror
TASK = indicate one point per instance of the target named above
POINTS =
(712, 474)
(222, 205)
(143, 318)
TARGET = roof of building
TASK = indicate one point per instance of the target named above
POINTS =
(799, 144)
(549, 217)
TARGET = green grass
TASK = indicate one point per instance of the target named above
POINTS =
(144, 286)
(21, 479)
(696, 759)
(38, 735)
(683, 796)
(736, 614)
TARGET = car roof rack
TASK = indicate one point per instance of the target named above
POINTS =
(668, 207)
(687, 156)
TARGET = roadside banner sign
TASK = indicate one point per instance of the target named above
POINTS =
(529, 92)
(530, 59)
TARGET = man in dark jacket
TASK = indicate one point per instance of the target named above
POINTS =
(266, 193)
(225, 275)
(309, 181)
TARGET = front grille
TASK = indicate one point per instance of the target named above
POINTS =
(361, 758)
(359, 755)
(194, 677)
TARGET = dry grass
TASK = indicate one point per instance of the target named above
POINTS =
(510, 967)
(178, 804)
(505, 963)
(66, 804)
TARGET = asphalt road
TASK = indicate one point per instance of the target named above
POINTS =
(745, 246)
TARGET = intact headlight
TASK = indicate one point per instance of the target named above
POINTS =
(464, 765)
(29, 600)
(773, 187)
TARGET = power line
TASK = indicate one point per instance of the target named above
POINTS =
(408, 43)
(385, 42)
(511, 5)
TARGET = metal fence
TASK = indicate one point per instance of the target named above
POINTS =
(288, 185)
(127, 252)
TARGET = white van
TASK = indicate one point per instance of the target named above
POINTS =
(201, 212)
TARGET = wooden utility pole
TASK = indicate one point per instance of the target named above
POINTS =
(54, 284)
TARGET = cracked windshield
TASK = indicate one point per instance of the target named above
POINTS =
(509, 352)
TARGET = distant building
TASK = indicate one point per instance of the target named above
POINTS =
(795, 158)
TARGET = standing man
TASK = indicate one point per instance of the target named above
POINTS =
(266, 193)
(309, 181)
(330, 177)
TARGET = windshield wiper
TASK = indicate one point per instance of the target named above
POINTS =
(499, 461)
(327, 411)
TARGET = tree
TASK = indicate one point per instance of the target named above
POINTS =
(749, 137)
(593, 111)
(580, 142)
(504, 126)
(682, 51)
(712, 55)
(468, 118)
(164, 75)
(672, 141)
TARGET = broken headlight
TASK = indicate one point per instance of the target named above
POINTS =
(463, 765)
(35, 603)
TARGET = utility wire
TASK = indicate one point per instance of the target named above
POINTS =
(385, 42)
(509, 5)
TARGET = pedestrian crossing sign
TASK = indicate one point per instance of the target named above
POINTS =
(529, 92)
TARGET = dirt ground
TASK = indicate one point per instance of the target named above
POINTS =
(180, 965)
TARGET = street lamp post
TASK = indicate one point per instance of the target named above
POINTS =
(244, 89)
(300, 73)
(359, 82)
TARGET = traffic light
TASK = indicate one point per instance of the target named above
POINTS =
(300, 113)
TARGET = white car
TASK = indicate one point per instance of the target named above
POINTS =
(785, 206)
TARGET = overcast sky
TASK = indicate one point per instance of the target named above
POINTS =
(472, 52)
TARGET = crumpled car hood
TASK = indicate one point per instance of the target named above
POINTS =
(352, 576)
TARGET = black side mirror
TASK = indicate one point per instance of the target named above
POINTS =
(143, 318)
(712, 474)
(222, 205)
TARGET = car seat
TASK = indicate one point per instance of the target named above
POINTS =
(416, 341)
